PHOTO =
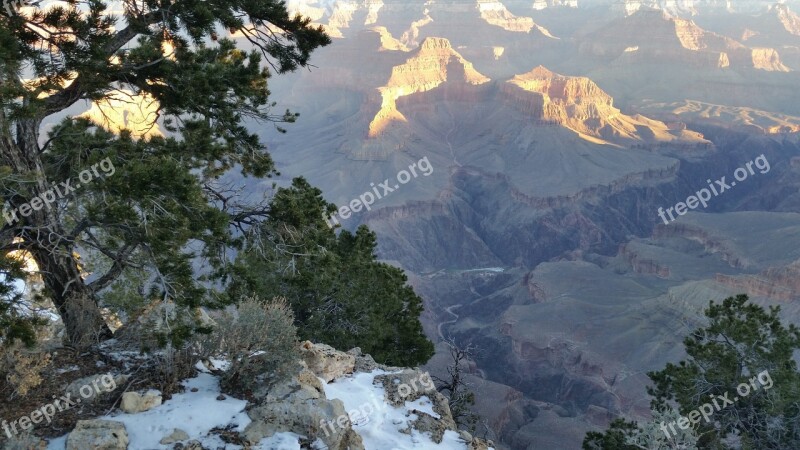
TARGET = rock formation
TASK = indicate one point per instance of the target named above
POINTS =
(788, 18)
(429, 68)
(674, 39)
(579, 104)
(543, 4)
(496, 13)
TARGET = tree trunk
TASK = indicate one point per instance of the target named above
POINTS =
(43, 236)
(75, 302)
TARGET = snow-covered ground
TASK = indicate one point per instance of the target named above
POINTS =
(198, 412)
(380, 428)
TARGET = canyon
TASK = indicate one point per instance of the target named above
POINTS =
(556, 129)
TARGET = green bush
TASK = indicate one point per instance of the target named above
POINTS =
(340, 293)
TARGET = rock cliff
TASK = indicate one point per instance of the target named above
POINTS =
(433, 64)
(578, 104)
(674, 39)
(496, 13)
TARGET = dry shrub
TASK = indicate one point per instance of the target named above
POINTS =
(173, 365)
(21, 368)
(260, 341)
(82, 313)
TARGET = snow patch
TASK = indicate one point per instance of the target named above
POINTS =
(196, 413)
(379, 423)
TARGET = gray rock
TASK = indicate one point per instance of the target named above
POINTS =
(465, 436)
(427, 424)
(98, 435)
(365, 362)
(95, 386)
(299, 405)
(407, 386)
(327, 362)
(23, 442)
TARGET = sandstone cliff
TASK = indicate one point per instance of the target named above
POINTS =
(343, 13)
(429, 68)
(543, 4)
(672, 39)
(496, 13)
(579, 104)
(780, 283)
(787, 18)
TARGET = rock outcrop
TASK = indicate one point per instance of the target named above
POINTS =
(579, 104)
(326, 362)
(673, 39)
(420, 385)
(749, 120)
(544, 4)
(787, 18)
(495, 13)
(641, 264)
(98, 435)
(434, 63)
(780, 283)
(299, 405)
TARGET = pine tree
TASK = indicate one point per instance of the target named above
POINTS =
(18, 322)
(163, 207)
(742, 341)
(745, 355)
(340, 293)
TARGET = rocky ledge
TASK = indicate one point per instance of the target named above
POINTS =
(321, 405)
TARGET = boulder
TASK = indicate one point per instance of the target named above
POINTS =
(91, 388)
(136, 402)
(23, 442)
(327, 362)
(365, 363)
(98, 435)
(409, 385)
(299, 405)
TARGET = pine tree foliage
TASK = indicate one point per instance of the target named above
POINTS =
(164, 207)
(18, 321)
(340, 293)
(741, 341)
(745, 354)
